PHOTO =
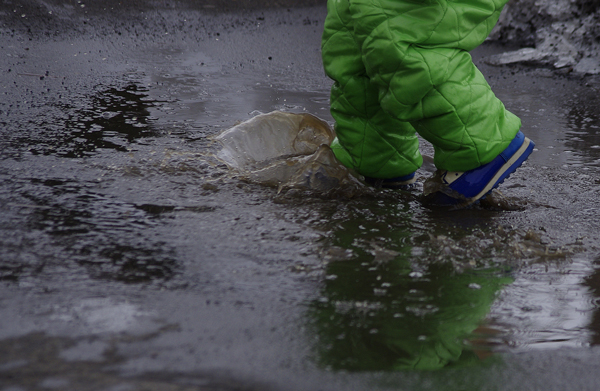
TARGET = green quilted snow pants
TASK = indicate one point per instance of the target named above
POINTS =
(402, 67)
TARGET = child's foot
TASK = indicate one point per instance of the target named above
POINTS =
(466, 188)
(398, 183)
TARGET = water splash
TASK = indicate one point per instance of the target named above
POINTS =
(288, 151)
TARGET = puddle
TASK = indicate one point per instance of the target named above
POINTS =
(548, 306)
(582, 138)
(100, 315)
(112, 118)
(84, 228)
(564, 125)
(377, 314)
(406, 286)
(403, 291)
(122, 188)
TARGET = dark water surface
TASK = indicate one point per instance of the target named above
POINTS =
(131, 258)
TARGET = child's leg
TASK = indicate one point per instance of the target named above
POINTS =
(417, 57)
(370, 140)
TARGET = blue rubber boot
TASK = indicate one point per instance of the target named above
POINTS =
(467, 188)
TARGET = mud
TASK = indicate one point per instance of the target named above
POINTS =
(132, 258)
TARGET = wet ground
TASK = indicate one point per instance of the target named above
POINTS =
(132, 259)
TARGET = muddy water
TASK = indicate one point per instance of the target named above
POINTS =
(131, 257)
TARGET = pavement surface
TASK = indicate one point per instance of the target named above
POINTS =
(132, 259)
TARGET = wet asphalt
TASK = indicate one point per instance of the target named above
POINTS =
(132, 259)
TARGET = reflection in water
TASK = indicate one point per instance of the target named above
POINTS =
(111, 119)
(101, 234)
(58, 223)
(388, 305)
(55, 213)
(391, 318)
